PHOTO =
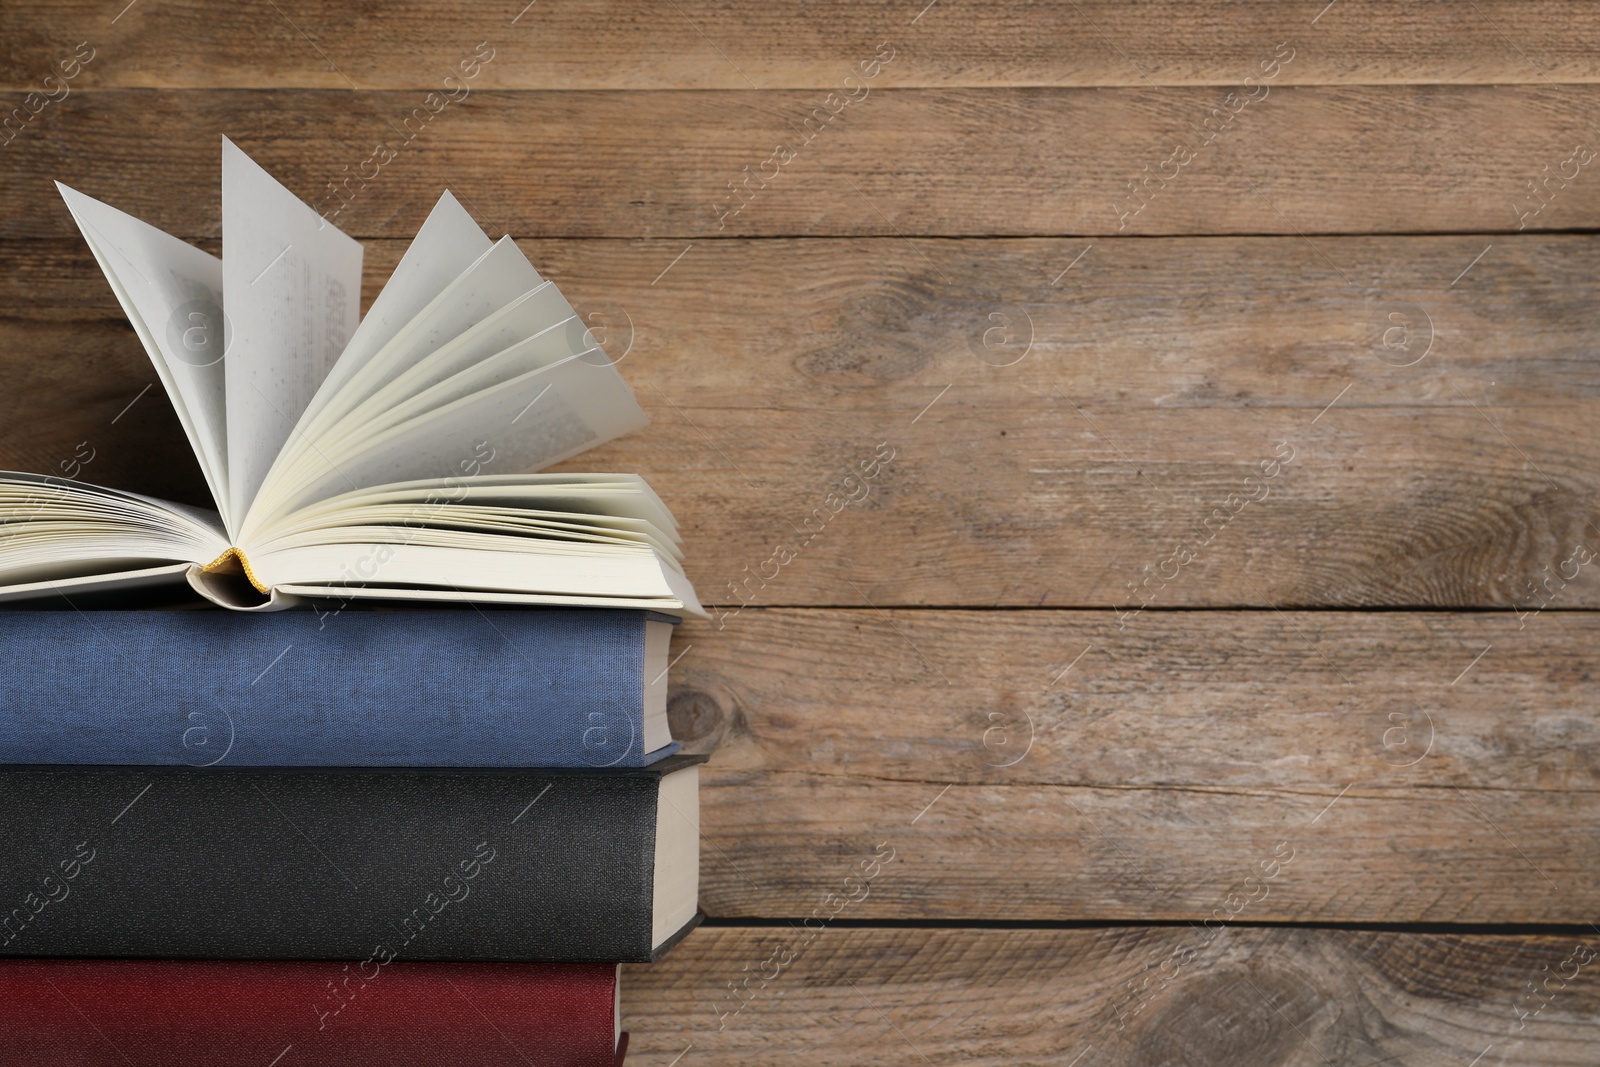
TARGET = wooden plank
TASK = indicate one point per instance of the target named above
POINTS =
(934, 162)
(1161, 374)
(607, 44)
(1039, 766)
(1256, 702)
(1040, 853)
(1089, 998)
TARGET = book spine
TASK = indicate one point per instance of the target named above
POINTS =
(364, 866)
(414, 688)
(119, 1013)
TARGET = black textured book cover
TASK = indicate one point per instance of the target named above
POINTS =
(312, 863)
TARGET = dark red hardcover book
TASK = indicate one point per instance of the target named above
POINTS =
(196, 1013)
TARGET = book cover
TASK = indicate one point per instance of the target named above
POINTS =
(404, 688)
(125, 1013)
(359, 865)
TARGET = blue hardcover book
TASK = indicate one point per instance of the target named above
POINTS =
(407, 688)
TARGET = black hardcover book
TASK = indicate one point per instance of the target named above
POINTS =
(316, 863)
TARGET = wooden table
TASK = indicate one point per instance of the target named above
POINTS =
(1144, 455)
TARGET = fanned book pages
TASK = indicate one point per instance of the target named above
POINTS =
(378, 458)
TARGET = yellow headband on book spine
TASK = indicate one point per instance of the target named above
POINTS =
(233, 553)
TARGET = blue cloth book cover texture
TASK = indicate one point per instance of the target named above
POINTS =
(415, 688)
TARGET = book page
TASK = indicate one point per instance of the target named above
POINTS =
(476, 362)
(446, 247)
(538, 568)
(495, 279)
(681, 603)
(172, 294)
(621, 497)
(500, 277)
(137, 578)
(56, 529)
(448, 243)
(499, 521)
(291, 287)
(529, 422)
(541, 313)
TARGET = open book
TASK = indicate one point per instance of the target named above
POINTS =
(374, 458)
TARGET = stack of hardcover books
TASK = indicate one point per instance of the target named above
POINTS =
(356, 831)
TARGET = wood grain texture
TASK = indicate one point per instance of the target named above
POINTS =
(609, 44)
(1049, 766)
(1161, 374)
(1092, 998)
(910, 717)
(1253, 703)
(916, 163)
